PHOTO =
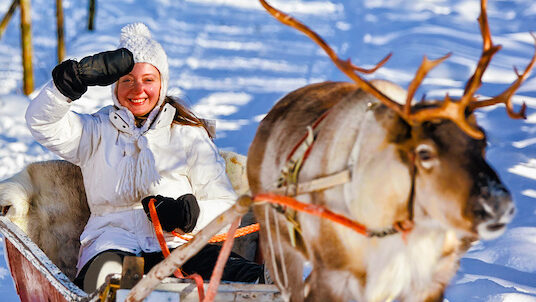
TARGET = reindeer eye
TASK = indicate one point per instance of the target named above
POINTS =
(426, 156)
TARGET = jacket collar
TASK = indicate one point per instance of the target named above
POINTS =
(124, 121)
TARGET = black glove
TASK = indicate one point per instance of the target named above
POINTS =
(72, 78)
(179, 213)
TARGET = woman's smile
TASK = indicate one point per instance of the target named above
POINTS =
(138, 102)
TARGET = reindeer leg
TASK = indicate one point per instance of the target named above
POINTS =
(294, 267)
(324, 284)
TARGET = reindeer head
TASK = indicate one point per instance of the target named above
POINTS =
(452, 182)
(441, 142)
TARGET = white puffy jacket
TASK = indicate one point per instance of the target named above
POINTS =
(185, 158)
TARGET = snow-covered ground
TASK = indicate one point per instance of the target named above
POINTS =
(231, 61)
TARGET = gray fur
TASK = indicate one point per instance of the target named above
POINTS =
(49, 204)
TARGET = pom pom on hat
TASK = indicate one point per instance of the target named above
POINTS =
(135, 29)
(137, 38)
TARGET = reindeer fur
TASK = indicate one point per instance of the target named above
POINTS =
(48, 202)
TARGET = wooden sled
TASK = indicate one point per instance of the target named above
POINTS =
(44, 210)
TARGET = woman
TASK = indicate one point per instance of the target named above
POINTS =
(144, 146)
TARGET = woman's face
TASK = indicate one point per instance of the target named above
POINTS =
(140, 89)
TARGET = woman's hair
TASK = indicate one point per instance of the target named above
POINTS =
(183, 116)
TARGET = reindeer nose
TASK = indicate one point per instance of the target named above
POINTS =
(495, 227)
(494, 211)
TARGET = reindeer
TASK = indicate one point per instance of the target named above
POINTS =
(415, 175)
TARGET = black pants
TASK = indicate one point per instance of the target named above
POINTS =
(237, 269)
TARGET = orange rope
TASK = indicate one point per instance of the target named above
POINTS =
(224, 253)
(222, 237)
(165, 250)
(404, 227)
(316, 210)
(220, 263)
(313, 210)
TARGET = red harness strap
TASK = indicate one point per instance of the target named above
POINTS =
(403, 227)
(311, 209)
(222, 257)
(315, 124)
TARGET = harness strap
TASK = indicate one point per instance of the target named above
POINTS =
(305, 137)
(320, 211)
(289, 185)
(411, 197)
(297, 156)
(317, 184)
(165, 251)
(217, 238)
(220, 263)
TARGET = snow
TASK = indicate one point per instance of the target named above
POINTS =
(231, 61)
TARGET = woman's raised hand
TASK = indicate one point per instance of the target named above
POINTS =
(72, 78)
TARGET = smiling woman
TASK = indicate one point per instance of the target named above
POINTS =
(139, 90)
(144, 147)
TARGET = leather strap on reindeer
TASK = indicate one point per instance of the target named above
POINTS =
(288, 185)
(288, 182)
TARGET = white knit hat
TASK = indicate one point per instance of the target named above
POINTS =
(136, 37)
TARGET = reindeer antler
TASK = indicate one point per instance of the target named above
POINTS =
(345, 66)
(421, 73)
(449, 109)
(506, 96)
(455, 111)
(488, 50)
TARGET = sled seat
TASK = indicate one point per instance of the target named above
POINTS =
(47, 201)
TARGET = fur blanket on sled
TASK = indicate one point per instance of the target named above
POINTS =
(47, 200)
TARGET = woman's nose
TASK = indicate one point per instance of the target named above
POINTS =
(137, 87)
